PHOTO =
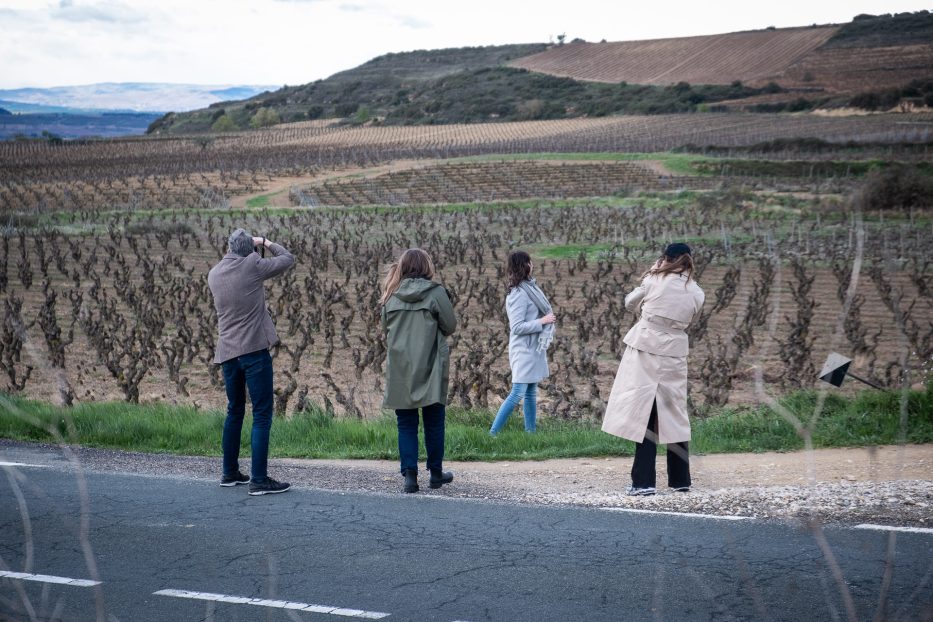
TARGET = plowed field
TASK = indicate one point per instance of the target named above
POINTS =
(713, 59)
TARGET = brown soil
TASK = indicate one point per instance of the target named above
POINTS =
(864, 464)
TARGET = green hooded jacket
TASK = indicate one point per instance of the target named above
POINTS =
(417, 320)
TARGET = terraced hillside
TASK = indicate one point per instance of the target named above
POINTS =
(467, 182)
(713, 59)
(868, 54)
(184, 172)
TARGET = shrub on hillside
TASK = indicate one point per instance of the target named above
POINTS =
(898, 186)
(224, 124)
(265, 117)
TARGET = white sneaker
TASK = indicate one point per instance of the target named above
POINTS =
(640, 492)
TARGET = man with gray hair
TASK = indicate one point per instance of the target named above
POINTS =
(245, 334)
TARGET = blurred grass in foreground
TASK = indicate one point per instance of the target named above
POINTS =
(869, 418)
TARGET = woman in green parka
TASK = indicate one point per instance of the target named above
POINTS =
(418, 317)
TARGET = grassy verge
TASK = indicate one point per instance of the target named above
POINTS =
(870, 418)
(262, 200)
(679, 163)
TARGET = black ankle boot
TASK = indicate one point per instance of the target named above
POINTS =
(439, 478)
(411, 480)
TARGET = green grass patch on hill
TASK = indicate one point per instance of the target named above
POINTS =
(262, 200)
(677, 163)
(870, 418)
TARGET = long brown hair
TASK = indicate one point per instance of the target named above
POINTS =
(676, 259)
(518, 268)
(412, 264)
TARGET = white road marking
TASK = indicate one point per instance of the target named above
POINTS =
(280, 604)
(686, 514)
(44, 578)
(892, 528)
(23, 464)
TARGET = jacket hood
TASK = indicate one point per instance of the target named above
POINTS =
(414, 290)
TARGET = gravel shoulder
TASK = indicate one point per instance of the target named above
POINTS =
(890, 485)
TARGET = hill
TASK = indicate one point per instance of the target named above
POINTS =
(772, 70)
(873, 52)
(376, 86)
(713, 59)
(124, 97)
(57, 126)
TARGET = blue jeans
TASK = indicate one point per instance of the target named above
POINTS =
(251, 371)
(529, 406)
(433, 416)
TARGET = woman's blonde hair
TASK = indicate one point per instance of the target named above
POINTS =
(412, 264)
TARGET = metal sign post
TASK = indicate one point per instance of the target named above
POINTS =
(836, 368)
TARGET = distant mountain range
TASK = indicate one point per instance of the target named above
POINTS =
(124, 97)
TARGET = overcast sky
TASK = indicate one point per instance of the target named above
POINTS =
(275, 42)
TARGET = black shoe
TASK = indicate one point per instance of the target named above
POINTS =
(439, 478)
(411, 480)
(681, 489)
(268, 487)
(233, 480)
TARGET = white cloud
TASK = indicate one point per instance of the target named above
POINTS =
(104, 12)
(58, 42)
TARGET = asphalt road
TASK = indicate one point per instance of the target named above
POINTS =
(417, 557)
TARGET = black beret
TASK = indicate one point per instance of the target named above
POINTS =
(677, 249)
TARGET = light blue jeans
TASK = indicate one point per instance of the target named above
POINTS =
(520, 390)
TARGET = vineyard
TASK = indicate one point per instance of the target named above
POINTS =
(185, 172)
(713, 59)
(106, 247)
(490, 181)
(876, 68)
(116, 306)
(821, 62)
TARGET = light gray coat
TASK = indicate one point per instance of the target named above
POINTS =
(528, 365)
(243, 321)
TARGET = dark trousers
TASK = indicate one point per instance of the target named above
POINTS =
(646, 452)
(434, 416)
(251, 371)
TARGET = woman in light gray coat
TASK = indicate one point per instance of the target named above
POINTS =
(531, 329)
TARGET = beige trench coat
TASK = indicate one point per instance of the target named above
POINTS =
(654, 364)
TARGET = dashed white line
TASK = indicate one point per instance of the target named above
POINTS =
(685, 514)
(893, 528)
(280, 604)
(44, 578)
(23, 464)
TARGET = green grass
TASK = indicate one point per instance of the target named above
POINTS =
(870, 418)
(680, 163)
(262, 200)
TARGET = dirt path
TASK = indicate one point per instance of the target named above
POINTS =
(279, 186)
(871, 464)
(883, 485)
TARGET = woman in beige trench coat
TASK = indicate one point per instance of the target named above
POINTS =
(648, 402)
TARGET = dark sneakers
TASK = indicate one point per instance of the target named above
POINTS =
(268, 487)
(233, 480)
(439, 478)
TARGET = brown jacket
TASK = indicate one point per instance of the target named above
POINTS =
(243, 322)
